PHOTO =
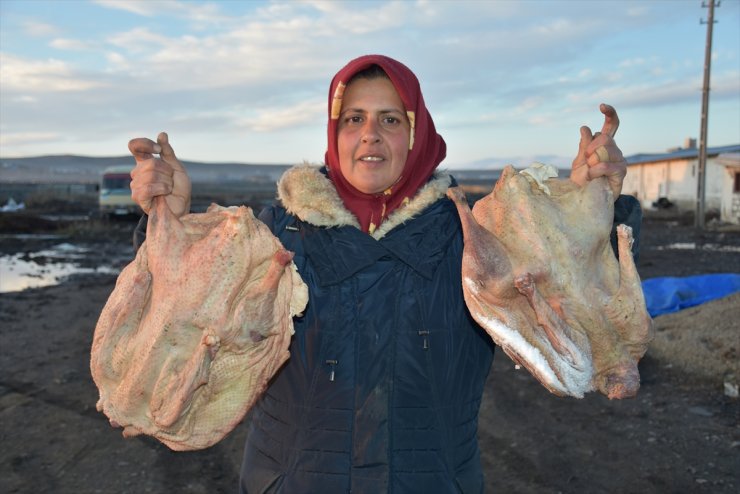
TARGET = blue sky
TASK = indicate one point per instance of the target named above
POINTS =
(506, 81)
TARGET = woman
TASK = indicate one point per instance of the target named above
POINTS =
(384, 383)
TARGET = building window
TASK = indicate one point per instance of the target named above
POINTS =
(736, 187)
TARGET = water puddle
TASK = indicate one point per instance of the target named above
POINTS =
(53, 264)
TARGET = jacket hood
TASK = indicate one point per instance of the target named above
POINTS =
(306, 192)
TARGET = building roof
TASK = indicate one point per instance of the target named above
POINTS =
(729, 159)
(680, 154)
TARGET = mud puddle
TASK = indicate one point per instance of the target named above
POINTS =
(55, 260)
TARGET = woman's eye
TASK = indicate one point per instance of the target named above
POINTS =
(391, 121)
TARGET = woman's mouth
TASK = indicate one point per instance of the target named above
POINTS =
(371, 158)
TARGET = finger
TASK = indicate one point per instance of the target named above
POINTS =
(152, 170)
(586, 138)
(579, 171)
(607, 153)
(142, 148)
(618, 170)
(602, 153)
(144, 194)
(154, 189)
(167, 152)
(597, 170)
(611, 120)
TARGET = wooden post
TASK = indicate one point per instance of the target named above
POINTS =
(701, 171)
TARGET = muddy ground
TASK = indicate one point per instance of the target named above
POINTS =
(680, 435)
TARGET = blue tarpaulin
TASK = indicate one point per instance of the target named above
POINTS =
(664, 295)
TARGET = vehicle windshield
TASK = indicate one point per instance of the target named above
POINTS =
(118, 181)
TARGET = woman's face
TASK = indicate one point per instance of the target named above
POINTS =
(372, 135)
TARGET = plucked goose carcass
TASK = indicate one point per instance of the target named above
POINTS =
(196, 326)
(540, 276)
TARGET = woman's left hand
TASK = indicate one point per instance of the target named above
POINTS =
(598, 154)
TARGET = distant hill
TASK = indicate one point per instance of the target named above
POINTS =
(518, 162)
(72, 169)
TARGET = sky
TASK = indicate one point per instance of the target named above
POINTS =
(247, 81)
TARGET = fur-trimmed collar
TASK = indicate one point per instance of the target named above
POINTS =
(308, 194)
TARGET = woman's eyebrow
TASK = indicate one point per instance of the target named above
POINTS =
(363, 111)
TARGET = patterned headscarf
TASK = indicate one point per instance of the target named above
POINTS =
(427, 149)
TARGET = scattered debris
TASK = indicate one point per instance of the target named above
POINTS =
(11, 206)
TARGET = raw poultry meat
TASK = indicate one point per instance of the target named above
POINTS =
(196, 326)
(540, 276)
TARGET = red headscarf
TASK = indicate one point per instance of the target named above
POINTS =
(427, 150)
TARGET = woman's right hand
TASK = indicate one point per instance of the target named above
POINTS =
(163, 176)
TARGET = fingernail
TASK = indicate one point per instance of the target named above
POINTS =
(157, 148)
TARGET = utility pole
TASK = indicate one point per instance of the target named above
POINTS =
(701, 172)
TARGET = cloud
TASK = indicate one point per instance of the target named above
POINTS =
(725, 85)
(670, 91)
(277, 118)
(24, 75)
(362, 18)
(140, 40)
(22, 138)
(197, 13)
(258, 50)
(39, 29)
(133, 6)
(299, 41)
(70, 44)
(633, 62)
(117, 62)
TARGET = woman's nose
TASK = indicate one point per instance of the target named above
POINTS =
(370, 132)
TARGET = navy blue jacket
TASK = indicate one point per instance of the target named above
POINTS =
(384, 383)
